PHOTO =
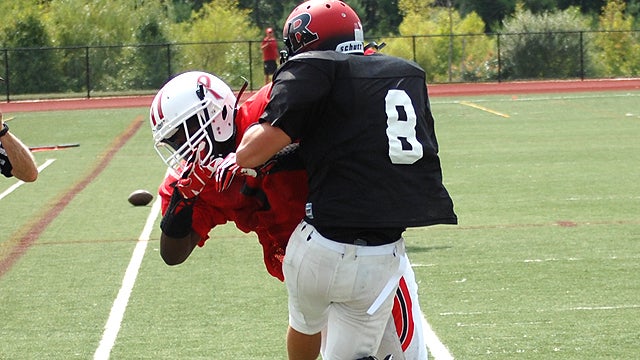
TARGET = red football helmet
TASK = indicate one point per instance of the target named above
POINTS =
(323, 25)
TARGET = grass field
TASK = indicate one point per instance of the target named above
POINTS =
(543, 265)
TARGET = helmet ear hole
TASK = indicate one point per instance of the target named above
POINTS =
(200, 92)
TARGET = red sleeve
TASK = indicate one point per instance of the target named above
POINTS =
(214, 208)
(250, 111)
(285, 191)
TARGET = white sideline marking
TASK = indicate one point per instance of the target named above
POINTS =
(578, 308)
(435, 346)
(112, 327)
(20, 182)
(620, 307)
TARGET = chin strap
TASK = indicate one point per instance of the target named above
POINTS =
(240, 92)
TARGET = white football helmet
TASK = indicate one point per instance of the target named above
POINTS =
(193, 107)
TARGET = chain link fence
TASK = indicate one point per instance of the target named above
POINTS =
(120, 70)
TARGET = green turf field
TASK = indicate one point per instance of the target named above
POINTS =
(543, 265)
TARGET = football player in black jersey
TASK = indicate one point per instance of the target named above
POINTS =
(367, 139)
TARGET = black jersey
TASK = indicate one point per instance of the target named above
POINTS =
(367, 139)
(5, 165)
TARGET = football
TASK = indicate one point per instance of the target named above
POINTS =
(140, 198)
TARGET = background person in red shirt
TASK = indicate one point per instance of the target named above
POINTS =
(270, 54)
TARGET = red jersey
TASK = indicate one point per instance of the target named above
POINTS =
(271, 205)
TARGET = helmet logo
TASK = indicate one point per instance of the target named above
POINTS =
(299, 34)
(157, 123)
(204, 82)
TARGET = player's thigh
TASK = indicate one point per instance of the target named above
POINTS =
(404, 335)
(352, 317)
(308, 270)
(355, 334)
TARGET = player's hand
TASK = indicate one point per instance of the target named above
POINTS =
(197, 174)
(228, 169)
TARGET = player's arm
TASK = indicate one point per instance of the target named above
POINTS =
(259, 143)
(175, 251)
(22, 161)
(178, 239)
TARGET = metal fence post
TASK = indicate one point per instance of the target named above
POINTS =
(413, 39)
(499, 59)
(6, 73)
(582, 56)
(88, 70)
(168, 60)
(250, 67)
(450, 59)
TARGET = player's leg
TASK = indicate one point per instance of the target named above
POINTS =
(357, 283)
(302, 346)
(355, 325)
(404, 335)
(306, 317)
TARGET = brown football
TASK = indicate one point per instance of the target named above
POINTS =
(140, 198)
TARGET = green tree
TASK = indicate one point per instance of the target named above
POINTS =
(492, 12)
(618, 47)
(223, 32)
(633, 10)
(455, 48)
(105, 25)
(586, 6)
(380, 17)
(31, 71)
(184, 8)
(546, 45)
(146, 65)
(266, 13)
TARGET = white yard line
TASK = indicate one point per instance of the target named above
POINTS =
(112, 327)
(20, 182)
(437, 349)
(554, 310)
(435, 346)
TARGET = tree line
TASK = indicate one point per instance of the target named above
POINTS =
(383, 17)
(455, 37)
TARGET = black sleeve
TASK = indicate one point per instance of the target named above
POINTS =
(299, 88)
(177, 220)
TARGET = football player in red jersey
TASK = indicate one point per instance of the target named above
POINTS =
(197, 108)
(367, 140)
